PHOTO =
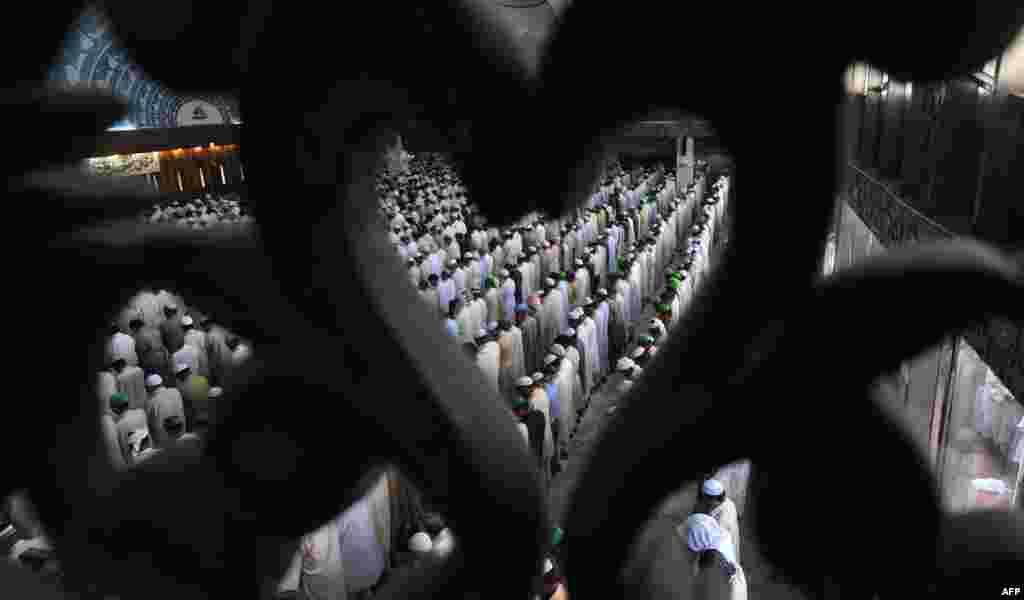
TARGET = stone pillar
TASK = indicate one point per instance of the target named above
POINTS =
(684, 160)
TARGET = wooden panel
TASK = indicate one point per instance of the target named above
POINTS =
(955, 156)
(894, 107)
(1001, 215)
(917, 135)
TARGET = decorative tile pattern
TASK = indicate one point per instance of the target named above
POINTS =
(91, 57)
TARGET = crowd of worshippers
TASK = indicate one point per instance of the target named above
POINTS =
(208, 210)
(164, 375)
(547, 307)
(568, 343)
(712, 536)
(390, 529)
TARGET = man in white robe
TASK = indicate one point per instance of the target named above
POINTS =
(582, 283)
(602, 314)
(486, 266)
(445, 292)
(579, 341)
(618, 332)
(121, 345)
(588, 332)
(527, 279)
(479, 311)
(537, 267)
(530, 328)
(428, 293)
(188, 355)
(130, 381)
(493, 299)
(636, 291)
(546, 321)
(599, 262)
(712, 500)
(452, 249)
(163, 404)
(472, 268)
(464, 320)
(498, 254)
(508, 296)
(458, 277)
(539, 400)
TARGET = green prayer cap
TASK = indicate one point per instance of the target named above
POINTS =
(646, 339)
(118, 399)
(556, 536)
(664, 308)
(519, 402)
(674, 284)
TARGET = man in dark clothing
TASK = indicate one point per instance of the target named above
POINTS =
(149, 346)
(533, 419)
(172, 332)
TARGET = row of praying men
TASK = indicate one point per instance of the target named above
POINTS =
(518, 333)
(547, 401)
(386, 532)
(322, 562)
(628, 368)
(161, 382)
(598, 331)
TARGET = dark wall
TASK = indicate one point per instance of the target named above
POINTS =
(948, 150)
(1001, 212)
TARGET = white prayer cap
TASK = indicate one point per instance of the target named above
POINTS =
(550, 282)
(537, 377)
(569, 332)
(713, 487)
(481, 333)
(492, 326)
(186, 320)
(467, 255)
(524, 381)
(627, 384)
(588, 300)
(703, 533)
(576, 313)
(216, 392)
(137, 435)
(154, 380)
(550, 358)
(444, 544)
(624, 364)
(504, 273)
(602, 291)
(579, 262)
(421, 543)
(558, 350)
(181, 367)
(171, 306)
(695, 229)
(453, 263)
(548, 566)
(638, 352)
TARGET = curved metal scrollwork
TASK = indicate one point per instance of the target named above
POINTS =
(311, 291)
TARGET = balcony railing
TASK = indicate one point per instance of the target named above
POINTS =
(895, 223)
